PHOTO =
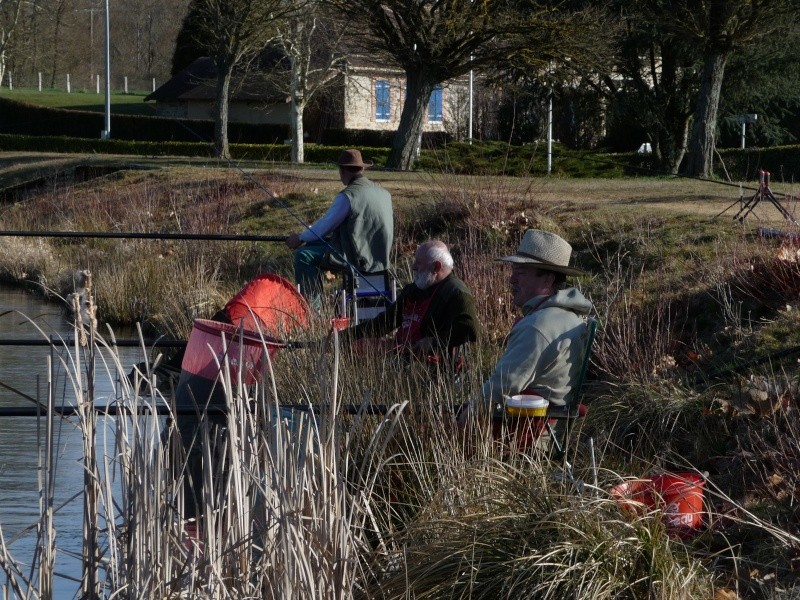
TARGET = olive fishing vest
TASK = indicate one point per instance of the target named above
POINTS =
(366, 236)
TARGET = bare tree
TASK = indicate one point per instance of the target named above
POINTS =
(432, 41)
(234, 32)
(311, 41)
(10, 11)
(721, 28)
(654, 78)
(143, 37)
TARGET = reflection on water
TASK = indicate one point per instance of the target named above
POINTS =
(24, 368)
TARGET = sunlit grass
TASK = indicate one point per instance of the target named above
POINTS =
(83, 99)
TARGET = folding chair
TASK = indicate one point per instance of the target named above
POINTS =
(366, 295)
(573, 409)
(524, 432)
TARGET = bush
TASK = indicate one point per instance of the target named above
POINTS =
(782, 161)
(27, 119)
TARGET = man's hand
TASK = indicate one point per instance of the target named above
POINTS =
(293, 241)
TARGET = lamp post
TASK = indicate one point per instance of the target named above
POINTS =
(469, 135)
(106, 133)
(550, 131)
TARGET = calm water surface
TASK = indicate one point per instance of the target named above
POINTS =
(24, 368)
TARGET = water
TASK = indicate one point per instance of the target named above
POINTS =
(24, 368)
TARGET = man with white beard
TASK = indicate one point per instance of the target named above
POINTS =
(433, 316)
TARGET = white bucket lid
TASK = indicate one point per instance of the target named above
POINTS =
(527, 401)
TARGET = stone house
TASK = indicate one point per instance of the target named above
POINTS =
(371, 97)
(367, 95)
(191, 94)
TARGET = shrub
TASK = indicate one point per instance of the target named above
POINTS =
(26, 119)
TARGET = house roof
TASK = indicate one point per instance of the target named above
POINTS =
(198, 81)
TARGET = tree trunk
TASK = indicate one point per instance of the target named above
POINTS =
(5, 36)
(221, 121)
(415, 110)
(56, 47)
(669, 153)
(701, 143)
(297, 107)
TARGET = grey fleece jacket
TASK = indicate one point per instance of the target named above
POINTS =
(543, 351)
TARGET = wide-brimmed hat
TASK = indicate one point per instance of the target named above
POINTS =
(546, 251)
(352, 158)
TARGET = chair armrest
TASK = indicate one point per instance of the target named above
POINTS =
(566, 412)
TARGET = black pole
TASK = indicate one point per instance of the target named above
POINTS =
(146, 236)
(127, 343)
(116, 410)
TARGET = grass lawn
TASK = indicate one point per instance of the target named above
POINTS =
(129, 104)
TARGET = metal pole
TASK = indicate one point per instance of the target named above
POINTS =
(550, 133)
(145, 236)
(469, 135)
(744, 127)
(107, 131)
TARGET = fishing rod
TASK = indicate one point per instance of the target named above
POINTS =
(146, 236)
(652, 171)
(124, 343)
(277, 200)
(114, 410)
(700, 378)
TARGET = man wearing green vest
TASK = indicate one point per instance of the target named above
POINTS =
(357, 230)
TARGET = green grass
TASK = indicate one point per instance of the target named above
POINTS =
(129, 104)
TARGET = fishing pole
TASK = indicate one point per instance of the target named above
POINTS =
(114, 410)
(146, 236)
(736, 369)
(130, 343)
(652, 171)
(339, 255)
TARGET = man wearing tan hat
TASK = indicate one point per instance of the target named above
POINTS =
(545, 346)
(357, 230)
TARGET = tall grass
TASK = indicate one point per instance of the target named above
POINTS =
(338, 503)
(342, 503)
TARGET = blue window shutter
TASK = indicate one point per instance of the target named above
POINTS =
(382, 101)
(435, 105)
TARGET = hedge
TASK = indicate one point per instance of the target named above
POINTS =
(782, 161)
(479, 158)
(27, 119)
(258, 152)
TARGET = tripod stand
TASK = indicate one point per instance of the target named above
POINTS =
(763, 193)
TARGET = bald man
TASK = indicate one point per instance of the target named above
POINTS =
(434, 315)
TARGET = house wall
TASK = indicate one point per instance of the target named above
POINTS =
(238, 112)
(359, 108)
(172, 110)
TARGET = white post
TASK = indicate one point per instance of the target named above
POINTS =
(106, 134)
(69, 87)
(97, 83)
(743, 132)
(154, 84)
(40, 81)
(126, 84)
(469, 134)
(550, 133)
